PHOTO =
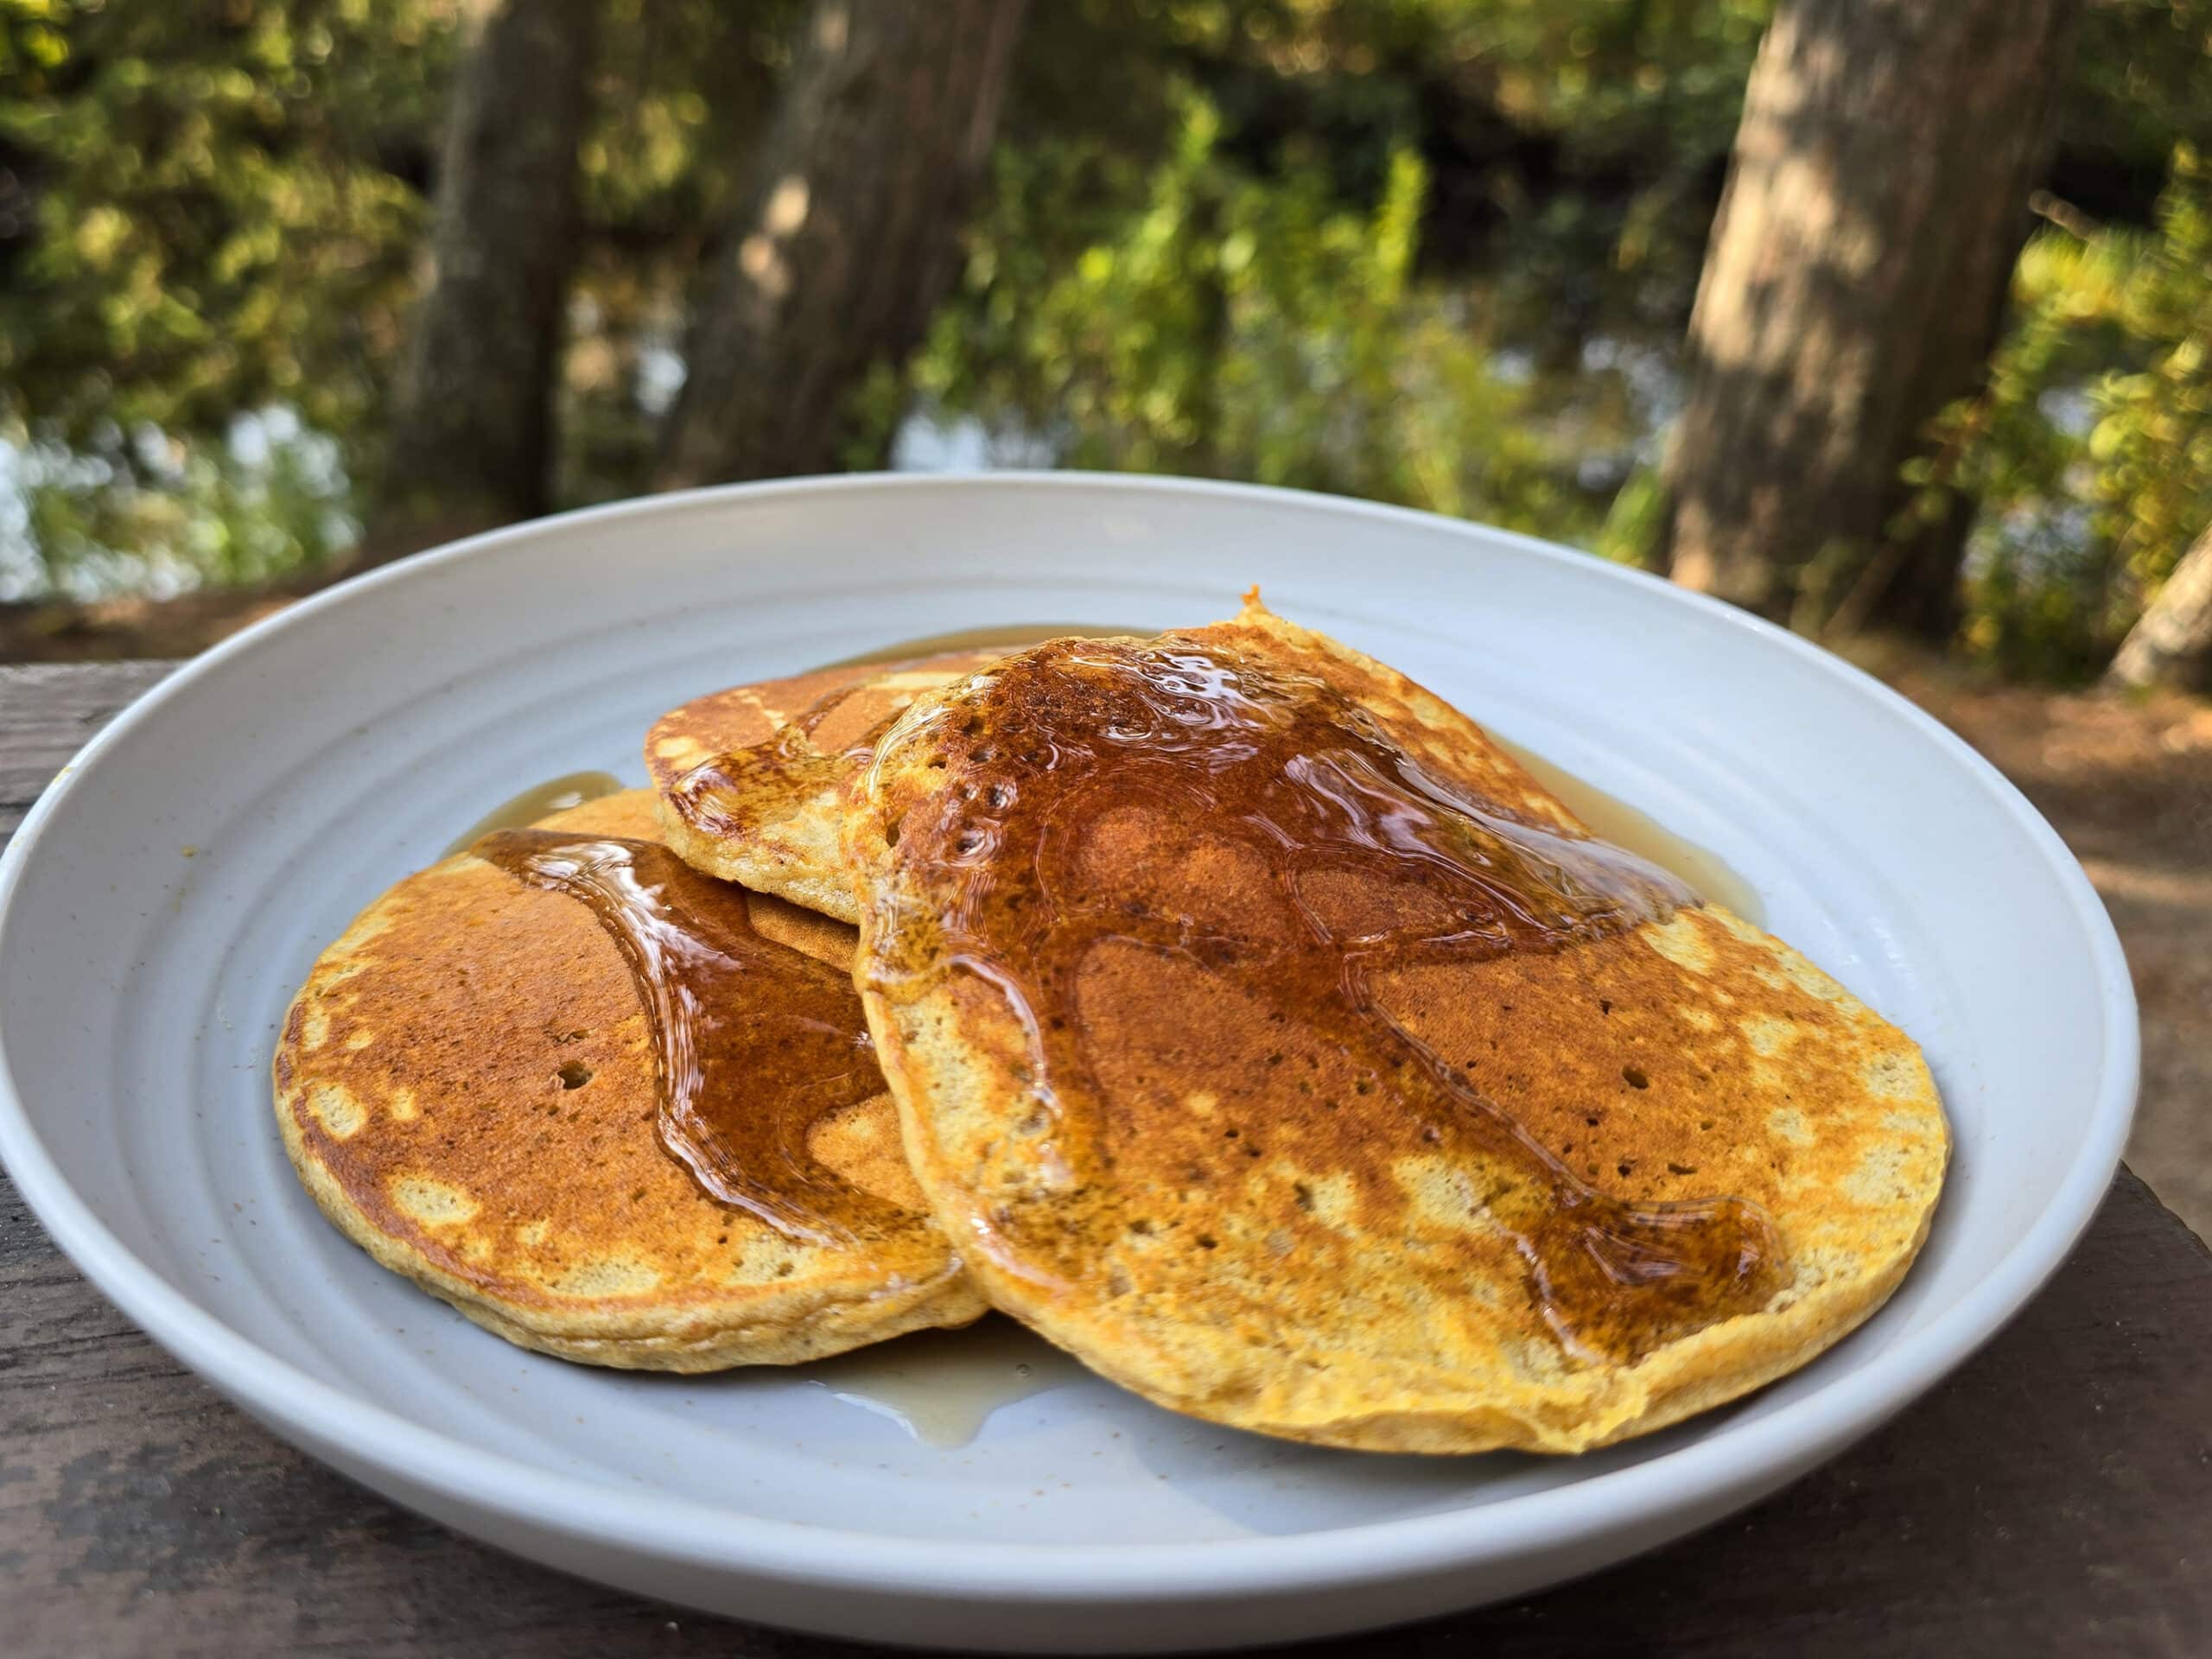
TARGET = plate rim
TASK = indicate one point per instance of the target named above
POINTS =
(1696, 1478)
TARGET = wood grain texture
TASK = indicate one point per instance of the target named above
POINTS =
(48, 711)
(2053, 1498)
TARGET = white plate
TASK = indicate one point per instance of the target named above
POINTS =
(165, 898)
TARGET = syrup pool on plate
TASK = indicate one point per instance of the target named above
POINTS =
(942, 1386)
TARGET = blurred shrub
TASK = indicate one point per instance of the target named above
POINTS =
(2091, 450)
(1236, 325)
(204, 210)
(154, 514)
(214, 218)
(209, 208)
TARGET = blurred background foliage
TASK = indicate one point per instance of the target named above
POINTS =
(2090, 452)
(1434, 251)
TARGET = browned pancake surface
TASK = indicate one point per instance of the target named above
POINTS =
(1292, 1228)
(466, 1084)
(750, 779)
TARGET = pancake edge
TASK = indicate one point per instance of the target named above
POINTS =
(1418, 1412)
(768, 1325)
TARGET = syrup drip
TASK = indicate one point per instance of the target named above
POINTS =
(733, 795)
(1371, 863)
(753, 1042)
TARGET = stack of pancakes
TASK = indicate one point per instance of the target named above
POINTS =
(1249, 1024)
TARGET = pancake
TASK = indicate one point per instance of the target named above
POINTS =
(467, 1086)
(751, 780)
(1280, 1047)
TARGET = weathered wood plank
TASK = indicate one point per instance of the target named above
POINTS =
(46, 711)
(2052, 1498)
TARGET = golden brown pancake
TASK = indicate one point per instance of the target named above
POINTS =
(750, 779)
(467, 1086)
(1283, 1049)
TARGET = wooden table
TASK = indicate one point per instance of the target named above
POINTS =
(2054, 1497)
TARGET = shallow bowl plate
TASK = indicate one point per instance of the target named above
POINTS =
(170, 891)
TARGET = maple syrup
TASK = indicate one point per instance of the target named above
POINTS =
(944, 1385)
(1607, 816)
(733, 1014)
(1611, 819)
(738, 794)
(752, 1041)
(1366, 861)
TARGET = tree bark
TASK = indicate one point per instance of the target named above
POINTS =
(2171, 643)
(848, 238)
(471, 427)
(1877, 200)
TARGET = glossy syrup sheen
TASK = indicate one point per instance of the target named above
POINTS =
(1282, 774)
(945, 1385)
(739, 791)
(1615, 820)
(753, 1042)
(730, 793)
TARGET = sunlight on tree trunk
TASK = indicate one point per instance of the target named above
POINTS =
(2171, 643)
(848, 238)
(1877, 199)
(471, 425)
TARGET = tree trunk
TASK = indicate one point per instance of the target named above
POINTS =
(471, 429)
(849, 238)
(1876, 203)
(2171, 643)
